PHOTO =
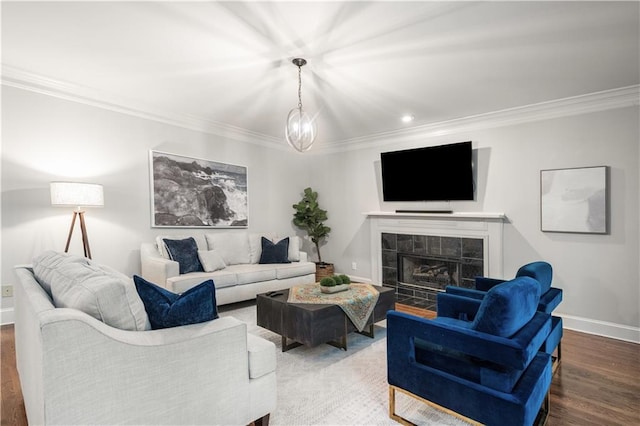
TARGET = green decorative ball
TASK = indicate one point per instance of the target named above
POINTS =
(338, 279)
(345, 279)
(327, 282)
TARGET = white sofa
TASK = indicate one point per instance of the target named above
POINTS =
(242, 278)
(77, 369)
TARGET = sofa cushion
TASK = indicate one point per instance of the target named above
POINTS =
(185, 252)
(275, 253)
(233, 246)
(255, 245)
(247, 274)
(507, 307)
(200, 241)
(296, 269)
(294, 247)
(46, 265)
(223, 278)
(211, 260)
(167, 309)
(94, 289)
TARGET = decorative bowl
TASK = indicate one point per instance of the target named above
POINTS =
(334, 289)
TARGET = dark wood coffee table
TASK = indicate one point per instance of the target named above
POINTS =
(313, 324)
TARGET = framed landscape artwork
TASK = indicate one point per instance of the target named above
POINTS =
(192, 192)
(574, 200)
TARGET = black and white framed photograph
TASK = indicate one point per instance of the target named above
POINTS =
(192, 192)
(574, 200)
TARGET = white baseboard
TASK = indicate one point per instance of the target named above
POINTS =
(356, 279)
(6, 316)
(601, 328)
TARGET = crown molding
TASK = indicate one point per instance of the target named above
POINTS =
(14, 77)
(592, 102)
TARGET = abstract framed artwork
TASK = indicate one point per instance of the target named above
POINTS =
(574, 200)
(192, 192)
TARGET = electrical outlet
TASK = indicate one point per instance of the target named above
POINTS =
(7, 291)
(354, 266)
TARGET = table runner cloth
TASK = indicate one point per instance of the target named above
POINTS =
(357, 302)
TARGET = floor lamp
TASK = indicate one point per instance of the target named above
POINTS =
(79, 195)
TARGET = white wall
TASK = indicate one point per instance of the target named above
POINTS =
(599, 273)
(46, 139)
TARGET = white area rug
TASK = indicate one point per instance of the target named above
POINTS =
(329, 386)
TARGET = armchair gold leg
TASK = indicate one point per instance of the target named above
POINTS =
(541, 419)
(403, 421)
(392, 408)
(543, 413)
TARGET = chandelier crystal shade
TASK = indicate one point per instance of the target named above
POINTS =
(300, 130)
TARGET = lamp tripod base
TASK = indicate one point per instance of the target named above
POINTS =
(83, 228)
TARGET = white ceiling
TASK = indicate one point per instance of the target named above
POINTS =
(368, 62)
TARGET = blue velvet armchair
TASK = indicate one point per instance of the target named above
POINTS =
(477, 358)
(550, 298)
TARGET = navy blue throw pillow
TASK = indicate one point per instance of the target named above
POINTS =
(185, 252)
(166, 309)
(275, 253)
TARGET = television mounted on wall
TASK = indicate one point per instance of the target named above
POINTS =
(434, 173)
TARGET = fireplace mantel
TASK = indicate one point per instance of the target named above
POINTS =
(454, 216)
(487, 226)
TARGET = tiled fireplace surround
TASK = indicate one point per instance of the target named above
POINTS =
(436, 250)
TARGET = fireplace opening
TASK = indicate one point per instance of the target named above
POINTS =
(428, 272)
(422, 266)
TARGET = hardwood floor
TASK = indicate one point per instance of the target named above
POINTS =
(597, 383)
(12, 406)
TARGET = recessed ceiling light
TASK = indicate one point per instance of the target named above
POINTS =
(407, 118)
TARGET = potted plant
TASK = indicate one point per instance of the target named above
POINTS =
(309, 217)
(334, 284)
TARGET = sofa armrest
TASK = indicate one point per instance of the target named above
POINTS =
(515, 352)
(457, 307)
(466, 292)
(550, 300)
(156, 268)
(304, 256)
(192, 374)
(262, 356)
(485, 283)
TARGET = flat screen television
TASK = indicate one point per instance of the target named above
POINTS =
(434, 173)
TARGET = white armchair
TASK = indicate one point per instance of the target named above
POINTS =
(74, 369)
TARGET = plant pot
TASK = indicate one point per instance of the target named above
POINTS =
(334, 289)
(324, 270)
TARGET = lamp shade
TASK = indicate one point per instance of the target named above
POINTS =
(76, 194)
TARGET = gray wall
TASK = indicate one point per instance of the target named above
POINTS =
(46, 139)
(599, 273)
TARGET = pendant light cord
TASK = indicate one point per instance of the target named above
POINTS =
(299, 87)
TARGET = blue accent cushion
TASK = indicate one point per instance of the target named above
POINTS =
(275, 253)
(166, 309)
(507, 307)
(185, 252)
(540, 271)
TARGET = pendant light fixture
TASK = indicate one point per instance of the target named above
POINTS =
(300, 130)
